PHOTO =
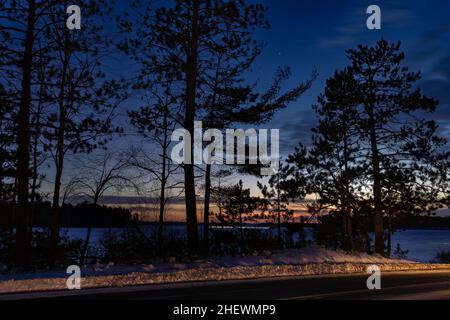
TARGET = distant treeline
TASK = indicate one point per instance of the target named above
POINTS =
(425, 222)
(80, 215)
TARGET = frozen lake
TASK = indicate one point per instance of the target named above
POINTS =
(423, 245)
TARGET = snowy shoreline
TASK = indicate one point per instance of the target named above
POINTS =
(308, 261)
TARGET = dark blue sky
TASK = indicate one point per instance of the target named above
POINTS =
(307, 35)
(315, 34)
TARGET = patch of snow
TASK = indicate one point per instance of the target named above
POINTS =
(314, 260)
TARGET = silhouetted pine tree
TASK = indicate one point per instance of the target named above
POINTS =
(389, 120)
(229, 100)
(206, 46)
(238, 206)
(81, 99)
(22, 26)
(333, 163)
(157, 120)
(372, 119)
(7, 146)
(276, 195)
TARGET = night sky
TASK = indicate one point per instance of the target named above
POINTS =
(307, 35)
(315, 34)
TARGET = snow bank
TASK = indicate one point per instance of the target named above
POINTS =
(295, 262)
(312, 254)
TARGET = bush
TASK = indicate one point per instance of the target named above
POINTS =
(400, 253)
(329, 232)
(67, 252)
(132, 245)
(129, 245)
(231, 242)
(175, 246)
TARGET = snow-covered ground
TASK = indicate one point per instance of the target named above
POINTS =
(312, 260)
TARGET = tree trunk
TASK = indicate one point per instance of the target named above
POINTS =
(2, 196)
(35, 165)
(191, 87)
(389, 244)
(84, 251)
(378, 217)
(279, 212)
(389, 238)
(347, 218)
(347, 231)
(206, 208)
(164, 177)
(55, 224)
(241, 229)
(191, 209)
(86, 244)
(162, 202)
(23, 144)
(368, 245)
(36, 135)
(60, 153)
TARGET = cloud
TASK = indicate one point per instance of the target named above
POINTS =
(397, 17)
(295, 127)
(431, 55)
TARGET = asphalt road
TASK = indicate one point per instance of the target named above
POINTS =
(399, 285)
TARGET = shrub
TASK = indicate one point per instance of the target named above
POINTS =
(400, 253)
(66, 253)
(232, 242)
(129, 245)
